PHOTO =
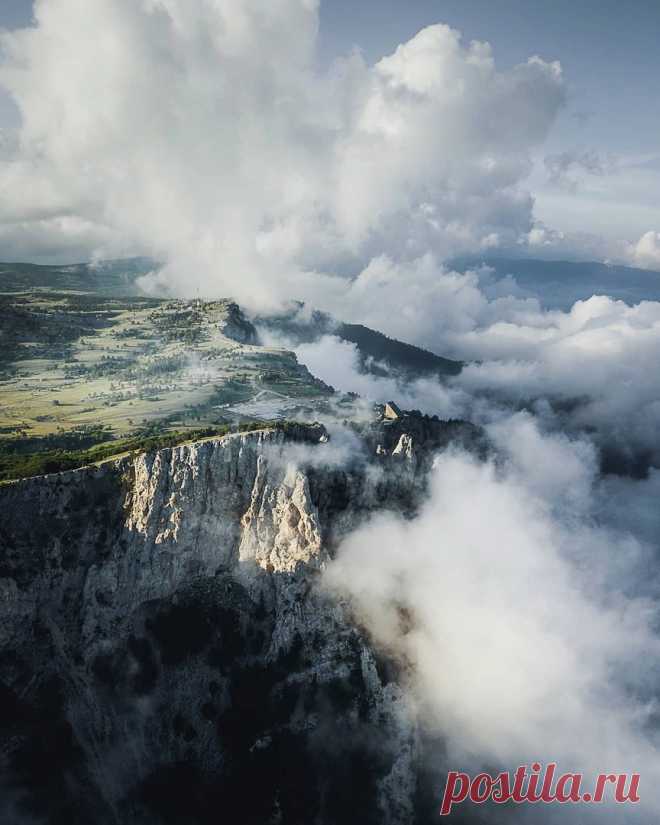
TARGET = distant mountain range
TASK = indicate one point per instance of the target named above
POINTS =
(113, 277)
(556, 284)
(117, 278)
(559, 284)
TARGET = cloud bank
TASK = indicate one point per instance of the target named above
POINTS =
(516, 643)
(590, 369)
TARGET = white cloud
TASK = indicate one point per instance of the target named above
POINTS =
(557, 469)
(516, 646)
(337, 363)
(601, 352)
(431, 302)
(204, 134)
(646, 252)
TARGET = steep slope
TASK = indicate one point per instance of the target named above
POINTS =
(379, 354)
(166, 655)
(396, 355)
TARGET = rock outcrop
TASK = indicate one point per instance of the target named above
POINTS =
(233, 324)
(166, 655)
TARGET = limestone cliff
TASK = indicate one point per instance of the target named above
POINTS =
(166, 655)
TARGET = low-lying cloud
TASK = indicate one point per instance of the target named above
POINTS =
(516, 644)
(338, 363)
(594, 364)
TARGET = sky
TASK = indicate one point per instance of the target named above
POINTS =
(595, 174)
(608, 51)
(14, 14)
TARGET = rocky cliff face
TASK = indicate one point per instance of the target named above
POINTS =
(233, 324)
(166, 655)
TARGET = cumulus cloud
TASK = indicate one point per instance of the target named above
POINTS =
(515, 645)
(577, 242)
(204, 134)
(646, 252)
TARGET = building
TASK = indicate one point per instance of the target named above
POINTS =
(392, 412)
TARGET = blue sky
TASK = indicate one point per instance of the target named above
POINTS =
(13, 14)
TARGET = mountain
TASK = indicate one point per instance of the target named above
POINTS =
(395, 355)
(166, 655)
(558, 284)
(112, 277)
(378, 353)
